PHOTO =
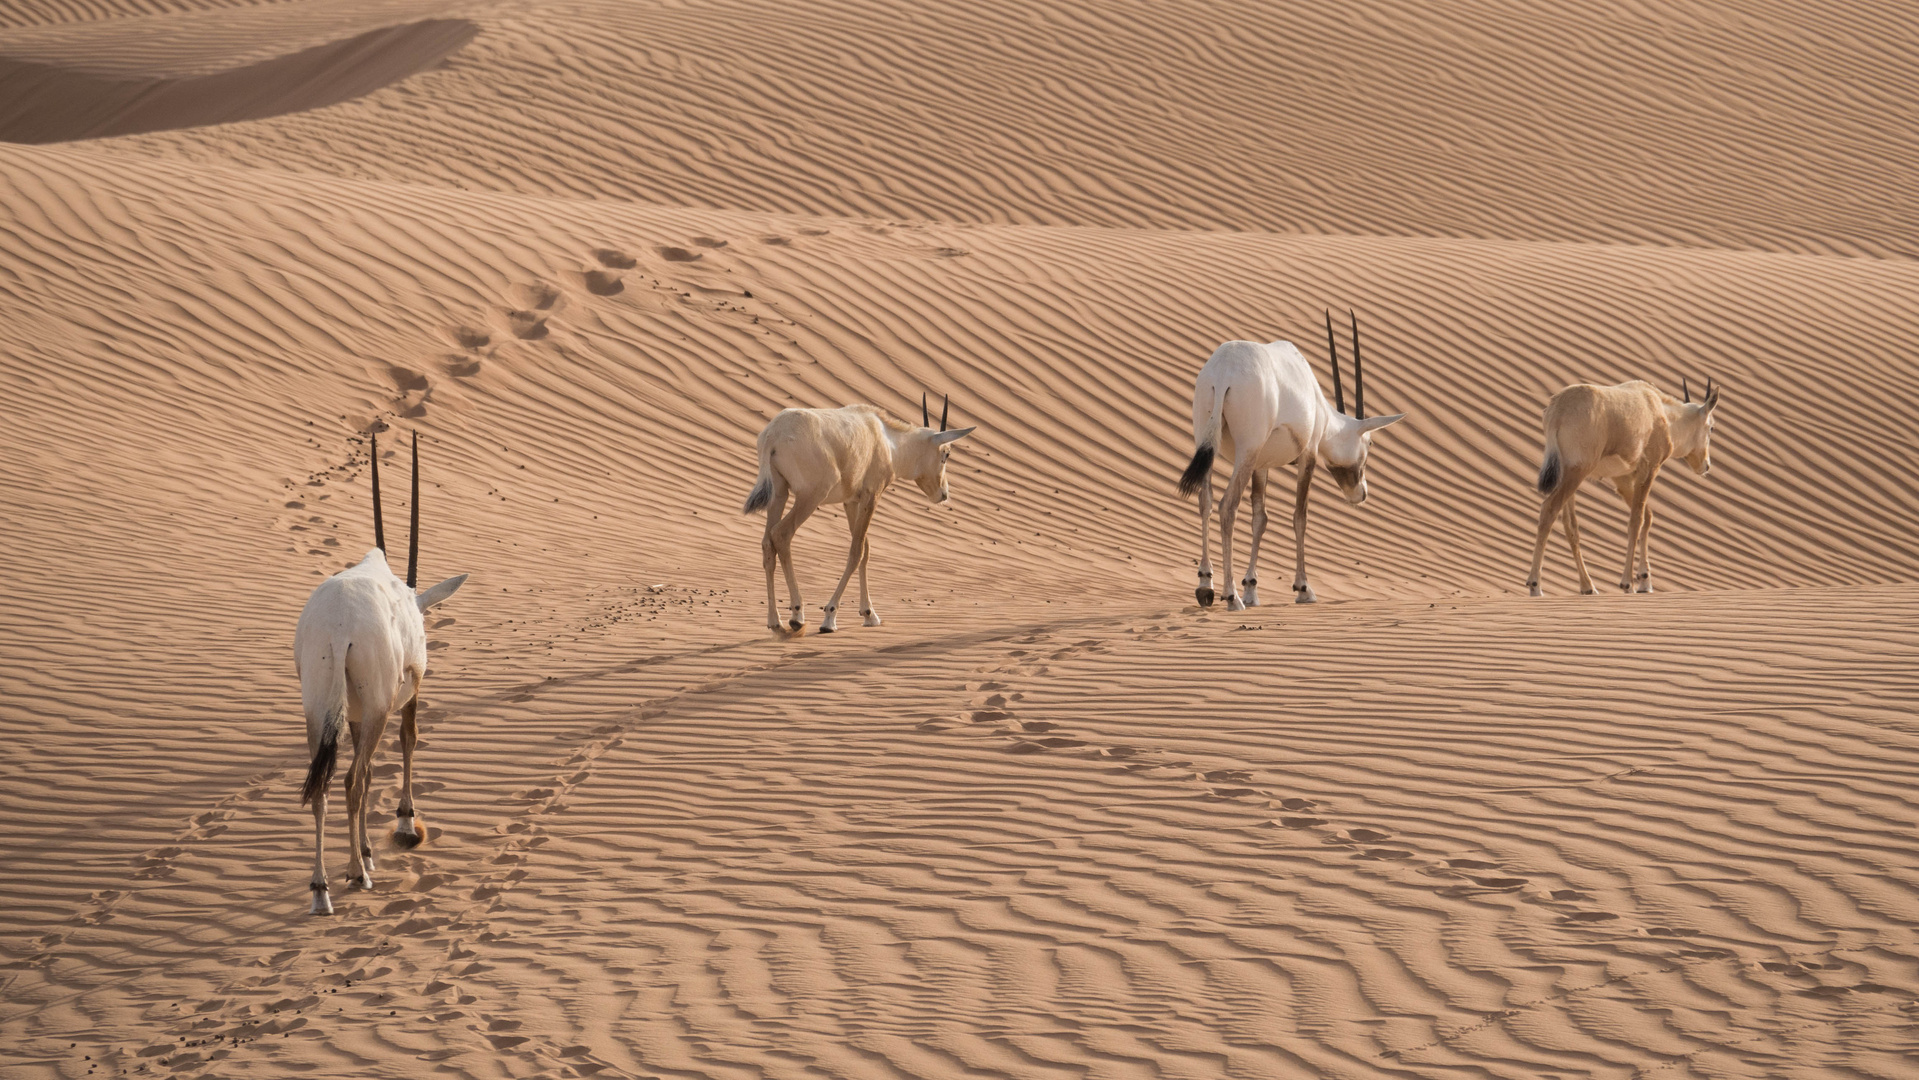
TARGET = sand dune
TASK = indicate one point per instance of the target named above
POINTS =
(1050, 819)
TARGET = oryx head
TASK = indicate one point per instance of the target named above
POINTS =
(1692, 427)
(438, 592)
(922, 454)
(1348, 438)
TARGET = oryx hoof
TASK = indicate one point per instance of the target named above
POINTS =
(795, 624)
(366, 859)
(322, 901)
(872, 617)
(1644, 587)
(1588, 590)
(1251, 594)
(407, 832)
(1234, 603)
(1303, 594)
(1533, 589)
(1204, 596)
(363, 881)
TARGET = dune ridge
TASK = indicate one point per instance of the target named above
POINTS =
(1050, 819)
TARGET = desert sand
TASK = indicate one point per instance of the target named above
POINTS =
(1051, 819)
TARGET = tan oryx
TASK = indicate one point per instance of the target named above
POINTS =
(846, 455)
(1624, 434)
(1263, 405)
(360, 650)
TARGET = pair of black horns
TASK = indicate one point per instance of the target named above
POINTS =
(946, 407)
(1359, 378)
(1686, 391)
(379, 525)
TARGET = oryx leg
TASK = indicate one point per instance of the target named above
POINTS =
(1549, 508)
(1302, 592)
(770, 552)
(406, 820)
(359, 790)
(1637, 491)
(1645, 549)
(1251, 581)
(322, 901)
(859, 515)
(1571, 516)
(803, 507)
(1228, 506)
(1204, 593)
(869, 617)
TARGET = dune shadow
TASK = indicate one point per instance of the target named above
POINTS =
(49, 103)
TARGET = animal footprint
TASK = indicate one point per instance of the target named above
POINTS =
(537, 295)
(708, 242)
(467, 337)
(677, 254)
(614, 260)
(406, 379)
(526, 325)
(1368, 836)
(604, 283)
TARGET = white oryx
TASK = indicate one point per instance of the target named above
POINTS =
(1621, 433)
(1264, 402)
(360, 650)
(846, 455)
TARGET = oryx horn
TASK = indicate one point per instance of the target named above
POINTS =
(1685, 392)
(926, 418)
(379, 526)
(1339, 392)
(1359, 379)
(413, 534)
(946, 406)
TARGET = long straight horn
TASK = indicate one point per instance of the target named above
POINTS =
(926, 418)
(1685, 391)
(379, 526)
(1339, 392)
(946, 406)
(413, 534)
(1359, 379)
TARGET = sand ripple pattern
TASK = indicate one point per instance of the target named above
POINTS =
(1672, 123)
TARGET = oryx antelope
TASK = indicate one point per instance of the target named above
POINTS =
(360, 650)
(846, 455)
(1624, 434)
(1263, 405)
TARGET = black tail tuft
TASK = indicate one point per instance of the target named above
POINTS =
(761, 495)
(1549, 474)
(320, 773)
(1198, 472)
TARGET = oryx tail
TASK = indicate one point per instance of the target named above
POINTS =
(1550, 468)
(762, 492)
(325, 700)
(1205, 438)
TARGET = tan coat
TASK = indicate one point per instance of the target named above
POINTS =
(1625, 434)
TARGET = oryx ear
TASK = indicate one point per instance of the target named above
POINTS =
(955, 435)
(1710, 403)
(439, 592)
(1374, 423)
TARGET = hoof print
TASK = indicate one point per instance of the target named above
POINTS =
(526, 325)
(614, 260)
(467, 337)
(604, 283)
